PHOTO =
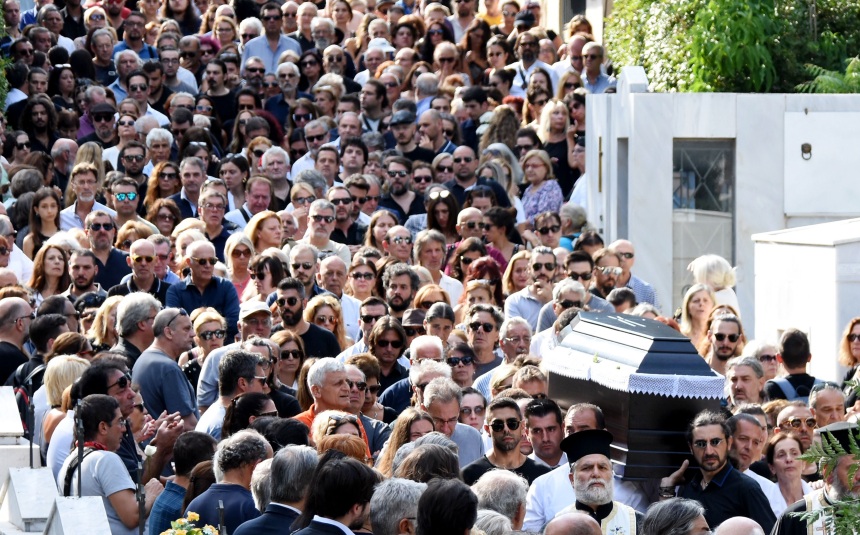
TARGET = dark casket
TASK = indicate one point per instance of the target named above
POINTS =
(646, 377)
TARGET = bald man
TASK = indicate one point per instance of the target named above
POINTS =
(141, 258)
(739, 525)
(15, 317)
(644, 292)
(202, 288)
(573, 524)
(332, 277)
(7, 276)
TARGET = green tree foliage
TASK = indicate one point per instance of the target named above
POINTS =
(825, 81)
(732, 45)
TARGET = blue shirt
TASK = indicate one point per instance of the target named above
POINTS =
(111, 272)
(238, 505)
(166, 509)
(603, 83)
(69, 218)
(259, 47)
(220, 294)
(146, 53)
(644, 292)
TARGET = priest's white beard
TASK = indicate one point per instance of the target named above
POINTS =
(594, 495)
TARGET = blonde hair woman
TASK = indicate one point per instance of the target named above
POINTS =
(325, 311)
(264, 230)
(695, 310)
(716, 272)
(516, 275)
(543, 193)
(103, 334)
(238, 252)
(60, 373)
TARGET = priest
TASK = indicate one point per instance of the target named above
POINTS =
(838, 486)
(592, 479)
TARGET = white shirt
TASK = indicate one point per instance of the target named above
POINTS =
(522, 77)
(561, 462)
(773, 494)
(329, 521)
(305, 162)
(453, 287)
(20, 265)
(349, 307)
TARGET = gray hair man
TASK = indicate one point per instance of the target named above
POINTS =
(163, 384)
(503, 492)
(135, 318)
(442, 399)
(394, 506)
(745, 380)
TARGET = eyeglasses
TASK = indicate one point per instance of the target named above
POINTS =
(122, 383)
(584, 276)
(722, 336)
(547, 230)
(609, 270)
(567, 303)
(455, 361)
(216, 207)
(395, 174)
(292, 354)
(702, 444)
(204, 261)
(367, 275)
(320, 218)
(361, 385)
(240, 253)
(499, 425)
(208, 335)
(518, 339)
(396, 344)
(477, 325)
(463, 159)
(367, 318)
(121, 197)
(291, 301)
(548, 266)
(796, 423)
(182, 312)
(139, 259)
(414, 331)
(342, 201)
(107, 227)
(31, 316)
(445, 168)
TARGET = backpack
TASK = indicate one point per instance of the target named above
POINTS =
(24, 393)
(789, 391)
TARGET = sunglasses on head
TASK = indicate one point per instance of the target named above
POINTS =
(208, 335)
(443, 194)
(499, 425)
(722, 336)
(477, 325)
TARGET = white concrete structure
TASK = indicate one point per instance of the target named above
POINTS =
(637, 192)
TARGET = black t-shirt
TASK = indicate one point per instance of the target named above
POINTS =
(287, 405)
(565, 174)
(529, 470)
(420, 153)
(10, 358)
(225, 106)
(320, 342)
(105, 75)
(802, 383)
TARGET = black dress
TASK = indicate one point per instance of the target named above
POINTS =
(564, 173)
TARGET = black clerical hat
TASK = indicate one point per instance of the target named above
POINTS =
(840, 431)
(587, 442)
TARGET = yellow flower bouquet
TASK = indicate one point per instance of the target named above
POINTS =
(185, 526)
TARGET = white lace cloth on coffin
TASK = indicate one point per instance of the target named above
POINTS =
(578, 365)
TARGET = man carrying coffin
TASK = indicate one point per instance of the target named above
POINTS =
(592, 480)
(840, 484)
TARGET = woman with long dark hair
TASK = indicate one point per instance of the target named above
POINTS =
(244, 409)
(468, 251)
(442, 213)
(474, 47)
(184, 13)
(44, 220)
(310, 68)
(50, 273)
(61, 86)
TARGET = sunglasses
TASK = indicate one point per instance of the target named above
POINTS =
(367, 318)
(304, 200)
(584, 276)
(455, 361)
(499, 425)
(313, 139)
(306, 117)
(767, 358)
(445, 168)
(342, 202)
(396, 344)
(208, 335)
(422, 179)
(796, 423)
(567, 303)
(292, 354)
(359, 276)
(22, 146)
(122, 383)
(702, 444)
(101, 117)
(373, 389)
(139, 259)
(395, 174)
(547, 230)
(255, 70)
(125, 123)
(722, 336)
(466, 159)
(320, 218)
(472, 225)
(107, 227)
(291, 301)
(4, 251)
(302, 265)
(609, 270)
(402, 239)
(853, 337)
(477, 325)
(467, 411)
(125, 196)
(269, 18)
(414, 331)
(446, 60)
(138, 87)
(361, 385)
(309, 63)
(204, 261)
(237, 253)
(203, 108)
(548, 266)
(247, 36)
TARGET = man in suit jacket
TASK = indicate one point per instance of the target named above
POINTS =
(291, 474)
(339, 497)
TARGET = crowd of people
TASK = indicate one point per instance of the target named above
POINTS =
(305, 261)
